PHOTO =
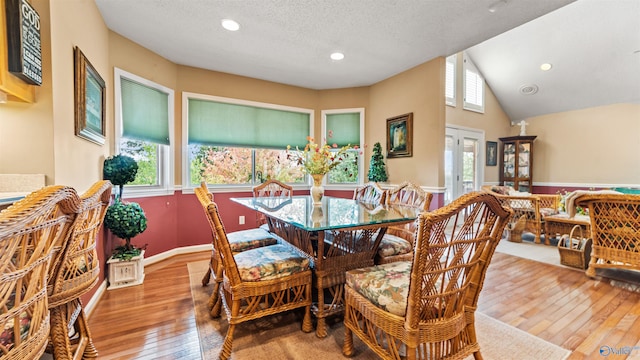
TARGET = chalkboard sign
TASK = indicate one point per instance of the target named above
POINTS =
(23, 37)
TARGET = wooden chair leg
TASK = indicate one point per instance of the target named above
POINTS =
(59, 335)
(206, 278)
(347, 347)
(228, 343)
(90, 350)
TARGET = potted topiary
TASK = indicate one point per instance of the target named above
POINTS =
(125, 220)
(377, 170)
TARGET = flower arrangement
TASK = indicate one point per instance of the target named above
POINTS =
(316, 159)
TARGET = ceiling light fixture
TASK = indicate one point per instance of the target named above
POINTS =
(497, 5)
(337, 56)
(546, 67)
(230, 25)
(529, 89)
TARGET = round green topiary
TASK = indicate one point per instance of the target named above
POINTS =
(120, 170)
(125, 220)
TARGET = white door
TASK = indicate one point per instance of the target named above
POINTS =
(463, 165)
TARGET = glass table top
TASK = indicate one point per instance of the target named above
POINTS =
(333, 213)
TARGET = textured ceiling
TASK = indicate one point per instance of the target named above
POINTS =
(289, 41)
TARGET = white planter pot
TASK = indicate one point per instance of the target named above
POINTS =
(126, 273)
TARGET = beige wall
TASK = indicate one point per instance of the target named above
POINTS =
(595, 146)
(419, 90)
(39, 137)
(27, 130)
(494, 122)
(78, 162)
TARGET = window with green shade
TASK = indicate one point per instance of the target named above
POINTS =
(144, 114)
(228, 124)
(342, 127)
(234, 142)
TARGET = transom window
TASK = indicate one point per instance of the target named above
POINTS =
(473, 86)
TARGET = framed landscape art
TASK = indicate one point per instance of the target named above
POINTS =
(89, 95)
(400, 136)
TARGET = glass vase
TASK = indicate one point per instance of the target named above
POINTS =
(317, 191)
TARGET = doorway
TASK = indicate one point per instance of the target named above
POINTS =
(463, 167)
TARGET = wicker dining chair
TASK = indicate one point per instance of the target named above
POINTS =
(271, 189)
(424, 308)
(370, 193)
(239, 241)
(260, 282)
(74, 274)
(32, 232)
(397, 243)
(615, 230)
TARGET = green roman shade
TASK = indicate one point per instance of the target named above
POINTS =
(222, 124)
(145, 112)
(345, 129)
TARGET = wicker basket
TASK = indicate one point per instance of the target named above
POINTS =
(575, 251)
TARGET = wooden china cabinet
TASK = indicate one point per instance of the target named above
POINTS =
(516, 162)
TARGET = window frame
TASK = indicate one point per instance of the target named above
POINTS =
(360, 180)
(166, 166)
(187, 187)
(468, 65)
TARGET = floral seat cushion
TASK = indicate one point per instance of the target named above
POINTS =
(386, 285)
(7, 336)
(250, 239)
(270, 262)
(392, 245)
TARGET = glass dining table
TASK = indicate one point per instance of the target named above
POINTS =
(337, 235)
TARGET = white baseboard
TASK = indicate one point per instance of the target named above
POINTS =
(177, 251)
(90, 306)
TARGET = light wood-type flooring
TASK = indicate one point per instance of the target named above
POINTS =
(561, 305)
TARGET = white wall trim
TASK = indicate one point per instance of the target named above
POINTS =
(177, 251)
(585, 185)
(90, 306)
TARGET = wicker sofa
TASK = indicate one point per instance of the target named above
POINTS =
(534, 207)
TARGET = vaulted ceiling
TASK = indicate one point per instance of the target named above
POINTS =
(592, 44)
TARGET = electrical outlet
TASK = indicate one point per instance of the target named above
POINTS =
(241, 220)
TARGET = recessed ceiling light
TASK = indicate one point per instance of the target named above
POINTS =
(528, 89)
(230, 25)
(545, 67)
(337, 56)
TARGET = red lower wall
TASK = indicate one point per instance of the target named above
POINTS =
(178, 220)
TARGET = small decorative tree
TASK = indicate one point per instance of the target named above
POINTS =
(125, 220)
(377, 170)
(120, 170)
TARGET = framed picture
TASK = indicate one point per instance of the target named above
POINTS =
(492, 153)
(89, 95)
(400, 136)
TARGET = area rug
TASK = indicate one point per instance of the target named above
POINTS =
(548, 254)
(279, 336)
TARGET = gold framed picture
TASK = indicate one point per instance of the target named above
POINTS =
(400, 136)
(89, 95)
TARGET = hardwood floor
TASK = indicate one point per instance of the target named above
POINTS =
(561, 305)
